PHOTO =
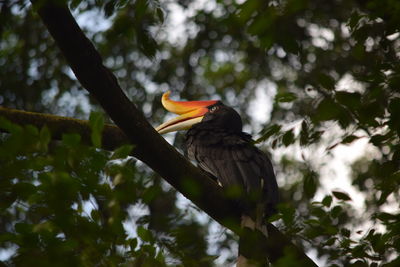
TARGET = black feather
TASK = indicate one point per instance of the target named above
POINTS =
(221, 149)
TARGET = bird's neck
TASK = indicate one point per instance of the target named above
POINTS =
(214, 127)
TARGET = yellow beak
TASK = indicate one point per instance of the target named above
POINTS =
(191, 112)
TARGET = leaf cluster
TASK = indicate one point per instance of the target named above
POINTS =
(65, 203)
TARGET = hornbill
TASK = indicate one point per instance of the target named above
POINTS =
(216, 142)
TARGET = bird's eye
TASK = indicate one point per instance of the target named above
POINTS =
(214, 108)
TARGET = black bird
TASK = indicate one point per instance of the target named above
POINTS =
(216, 142)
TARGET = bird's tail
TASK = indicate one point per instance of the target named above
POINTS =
(251, 253)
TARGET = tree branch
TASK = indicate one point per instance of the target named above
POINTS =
(112, 137)
(150, 147)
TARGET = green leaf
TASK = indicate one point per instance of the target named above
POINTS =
(336, 211)
(96, 122)
(350, 100)
(274, 217)
(326, 81)
(133, 243)
(247, 9)
(345, 232)
(349, 139)
(387, 217)
(122, 152)
(23, 228)
(260, 23)
(341, 195)
(378, 139)
(304, 133)
(268, 132)
(160, 14)
(71, 139)
(144, 234)
(326, 110)
(95, 215)
(9, 126)
(327, 201)
(45, 137)
(310, 185)
(354, 20)
(109, 8)
(288, 138)
(32, 130)
(151, 193)
(288, 213)
(285, 97)
(394, 110)
(24, 190)
(330, 241)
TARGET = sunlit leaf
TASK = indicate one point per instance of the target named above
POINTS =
(122, 152)
(144, 234)
(285, 97)
(96, 122)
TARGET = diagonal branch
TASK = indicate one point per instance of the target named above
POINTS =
(150, 147)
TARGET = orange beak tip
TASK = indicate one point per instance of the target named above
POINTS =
(191, 112)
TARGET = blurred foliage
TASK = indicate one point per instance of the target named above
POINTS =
(66, 204)
(331, 75)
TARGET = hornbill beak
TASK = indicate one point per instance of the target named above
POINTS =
(191, 112)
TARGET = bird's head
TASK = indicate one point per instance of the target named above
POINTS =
(212, 112)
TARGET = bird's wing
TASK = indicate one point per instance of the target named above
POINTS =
(235, 161)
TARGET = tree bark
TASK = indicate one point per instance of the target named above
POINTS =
(150, 147)
(112, 137)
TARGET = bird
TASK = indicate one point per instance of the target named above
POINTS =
(216, 142)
